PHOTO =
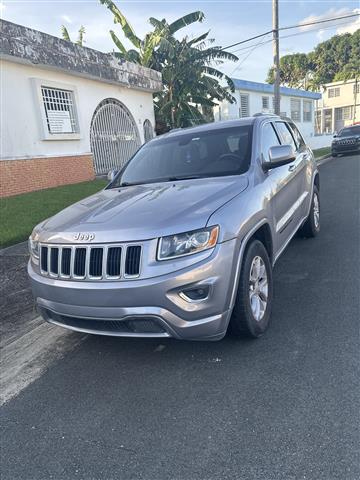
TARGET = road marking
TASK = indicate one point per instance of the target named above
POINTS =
(27, 357)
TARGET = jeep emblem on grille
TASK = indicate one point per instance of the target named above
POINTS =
(84, 236)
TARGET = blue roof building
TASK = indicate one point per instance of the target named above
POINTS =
(255, 97)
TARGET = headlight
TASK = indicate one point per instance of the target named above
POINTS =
(34, 244)
(187, 243)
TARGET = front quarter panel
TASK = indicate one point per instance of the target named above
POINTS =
(239, 216)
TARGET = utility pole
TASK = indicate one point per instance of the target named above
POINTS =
(275, 24)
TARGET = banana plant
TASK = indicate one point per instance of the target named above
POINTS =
(66, 36)
(192, 83)
(143, 51)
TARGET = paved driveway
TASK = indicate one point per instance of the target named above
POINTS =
(285, 406)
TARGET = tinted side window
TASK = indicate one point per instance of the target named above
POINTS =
(297, 136)
(268, 139)
(285, 135)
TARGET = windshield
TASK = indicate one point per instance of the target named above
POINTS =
(186, 156)
(346, 132)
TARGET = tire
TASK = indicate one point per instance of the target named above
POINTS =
(311, 226)
(334, 155)
(243, 321)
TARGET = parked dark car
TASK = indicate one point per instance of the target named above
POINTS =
(347, 140)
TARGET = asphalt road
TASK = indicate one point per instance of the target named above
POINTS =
(285, 406)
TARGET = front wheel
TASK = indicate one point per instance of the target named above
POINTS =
(311, 226)
(251, 314)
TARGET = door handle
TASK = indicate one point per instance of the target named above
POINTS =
(292, 168)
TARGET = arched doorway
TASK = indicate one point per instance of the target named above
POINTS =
(114, 136)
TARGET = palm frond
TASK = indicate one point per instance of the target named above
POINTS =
(200, 38)
(65, 34)
(118, 42)
(80, 39)
(120, 18)
(156, 23)
(186, 20)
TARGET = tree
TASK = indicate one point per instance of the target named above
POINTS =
(191, 81)
(144, 49)
(293, 70)
(335, 59)
(81, 32)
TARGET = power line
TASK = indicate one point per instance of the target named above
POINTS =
(259, 44)
(290, 27)
(320, 21)
(288, 36)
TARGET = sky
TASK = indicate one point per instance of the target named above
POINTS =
(229, 21)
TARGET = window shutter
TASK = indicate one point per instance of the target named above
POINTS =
(244, 106)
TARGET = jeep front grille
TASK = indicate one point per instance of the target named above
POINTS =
(347, 141)
(95, 262)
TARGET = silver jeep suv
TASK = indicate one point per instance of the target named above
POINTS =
(182, 242)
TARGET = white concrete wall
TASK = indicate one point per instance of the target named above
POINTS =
(21, 128)
(231, 111)
(320, 141)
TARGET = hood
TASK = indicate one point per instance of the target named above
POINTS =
(142, 212)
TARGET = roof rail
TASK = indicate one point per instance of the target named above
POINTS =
(262, 114)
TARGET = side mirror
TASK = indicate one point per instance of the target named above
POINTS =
(335, 135)
(112, 174)
(279, 155)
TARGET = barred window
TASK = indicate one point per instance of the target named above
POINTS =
(295, 106)
(343, 113)
(60, 110)
(265, 103)
(334, 92)
(356, 87)
(244, 106)
(307, 111)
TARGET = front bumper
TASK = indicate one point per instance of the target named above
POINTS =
(145, 308)
(345, 148)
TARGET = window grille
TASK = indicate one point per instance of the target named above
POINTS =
(334, 92)
(244, 106)
(265, 103)
(60, 112)
(357, 87)
(307, 111)
(343, 113)
(148, 131)
(295, 110)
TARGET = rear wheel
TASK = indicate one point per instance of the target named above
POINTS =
(312, 225)
(251, 314)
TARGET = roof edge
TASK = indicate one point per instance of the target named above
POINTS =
(26, 45)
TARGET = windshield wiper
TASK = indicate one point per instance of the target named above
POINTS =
(183, 177)
(160, 180)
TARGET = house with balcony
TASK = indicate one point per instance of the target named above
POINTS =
(255, 97)
(338, 107)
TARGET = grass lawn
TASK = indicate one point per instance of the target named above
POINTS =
(19, 214)
(320, 152)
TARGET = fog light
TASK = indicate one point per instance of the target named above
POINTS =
(195, 294)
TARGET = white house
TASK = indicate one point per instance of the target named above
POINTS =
(339, 106)
(255, 97)
(68, 112)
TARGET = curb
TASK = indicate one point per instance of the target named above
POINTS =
(16, 249)
(324, 159)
